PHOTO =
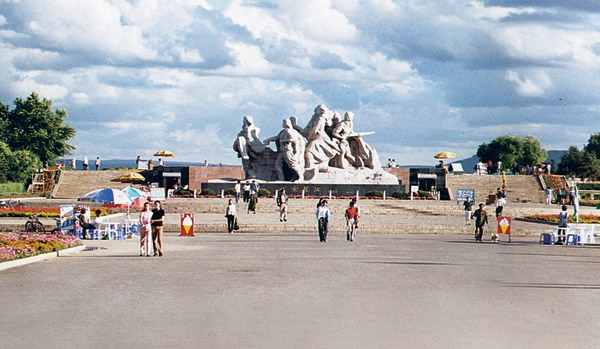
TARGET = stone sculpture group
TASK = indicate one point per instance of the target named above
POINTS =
(327, 150)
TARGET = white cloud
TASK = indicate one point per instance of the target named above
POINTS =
(250, 61)
(534, 86)
(181, 74)
(80, 98)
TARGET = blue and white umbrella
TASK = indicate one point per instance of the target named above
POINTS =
(134, 193)
(108, 197)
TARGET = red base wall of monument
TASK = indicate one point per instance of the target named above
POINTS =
(201, 174)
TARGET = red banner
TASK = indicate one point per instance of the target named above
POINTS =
(187, 224)
(504, 225)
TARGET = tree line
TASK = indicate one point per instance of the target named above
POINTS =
(527, 150)
(32, 135)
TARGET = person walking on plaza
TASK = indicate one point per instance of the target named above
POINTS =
(499, 203)
(351, 221)
(158, 216)
(322, 220)
(282, 200)
(481, 219)
(97, 163)
(575, 195)
(145, 229)
(252, 202)
(563, 223)
(85, 163)
(247, 191)
(237, 188)
(549, 196)
(73, 162)
(231, 215)
(468, 206)
(356, 207)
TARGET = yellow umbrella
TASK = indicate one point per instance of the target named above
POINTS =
(131, 177)
(164, 154)
(444, 155)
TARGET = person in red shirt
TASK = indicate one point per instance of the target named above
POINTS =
(351, 221)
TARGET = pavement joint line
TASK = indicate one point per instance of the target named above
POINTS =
(40, 257)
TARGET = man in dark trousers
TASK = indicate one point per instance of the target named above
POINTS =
(481, 219)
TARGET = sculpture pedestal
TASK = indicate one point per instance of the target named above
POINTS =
(360, 176)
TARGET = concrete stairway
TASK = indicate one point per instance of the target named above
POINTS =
(74, 184)
(519, 188)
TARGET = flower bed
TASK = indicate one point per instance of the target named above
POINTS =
(22, 245)
(584, 218)
(51, 212)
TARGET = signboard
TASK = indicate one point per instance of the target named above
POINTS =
(142, 165)
(504, 225)
(462, 194)
(67, 217)
(414, 188)
(456, 167)
(172, 174)
(187, 224)
(426, 175)
(157, 194)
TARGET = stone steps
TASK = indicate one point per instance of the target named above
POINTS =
(74, 184)
(519, 188)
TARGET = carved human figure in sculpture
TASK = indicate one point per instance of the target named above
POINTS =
(290, 148)
(255, 155)
(320, 148)
(294, 121)
(364, 154)
(340, 134)
(247, 141)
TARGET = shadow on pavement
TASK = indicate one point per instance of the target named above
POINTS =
(412, 263)
(554, 286)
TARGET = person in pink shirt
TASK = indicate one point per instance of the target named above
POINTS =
(145, 229)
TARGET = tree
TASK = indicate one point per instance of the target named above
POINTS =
(577, 163)
(509, 149)
(33, 126)
(17, 166)
(593, 145)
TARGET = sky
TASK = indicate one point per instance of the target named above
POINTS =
(427, 76)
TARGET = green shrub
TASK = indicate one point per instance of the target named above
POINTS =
(263, 193)
(374, 194)
(424, 194)
(588, 186)
(230, 191)
(12, 188)
(208, 192)
(400, 194)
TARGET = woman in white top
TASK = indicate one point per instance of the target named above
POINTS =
(231, 215)
(145, 229)
(322, 219)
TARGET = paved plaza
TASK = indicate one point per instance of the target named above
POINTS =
(288, 290)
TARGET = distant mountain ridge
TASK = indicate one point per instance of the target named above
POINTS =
(468, 164)
(114, 163)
